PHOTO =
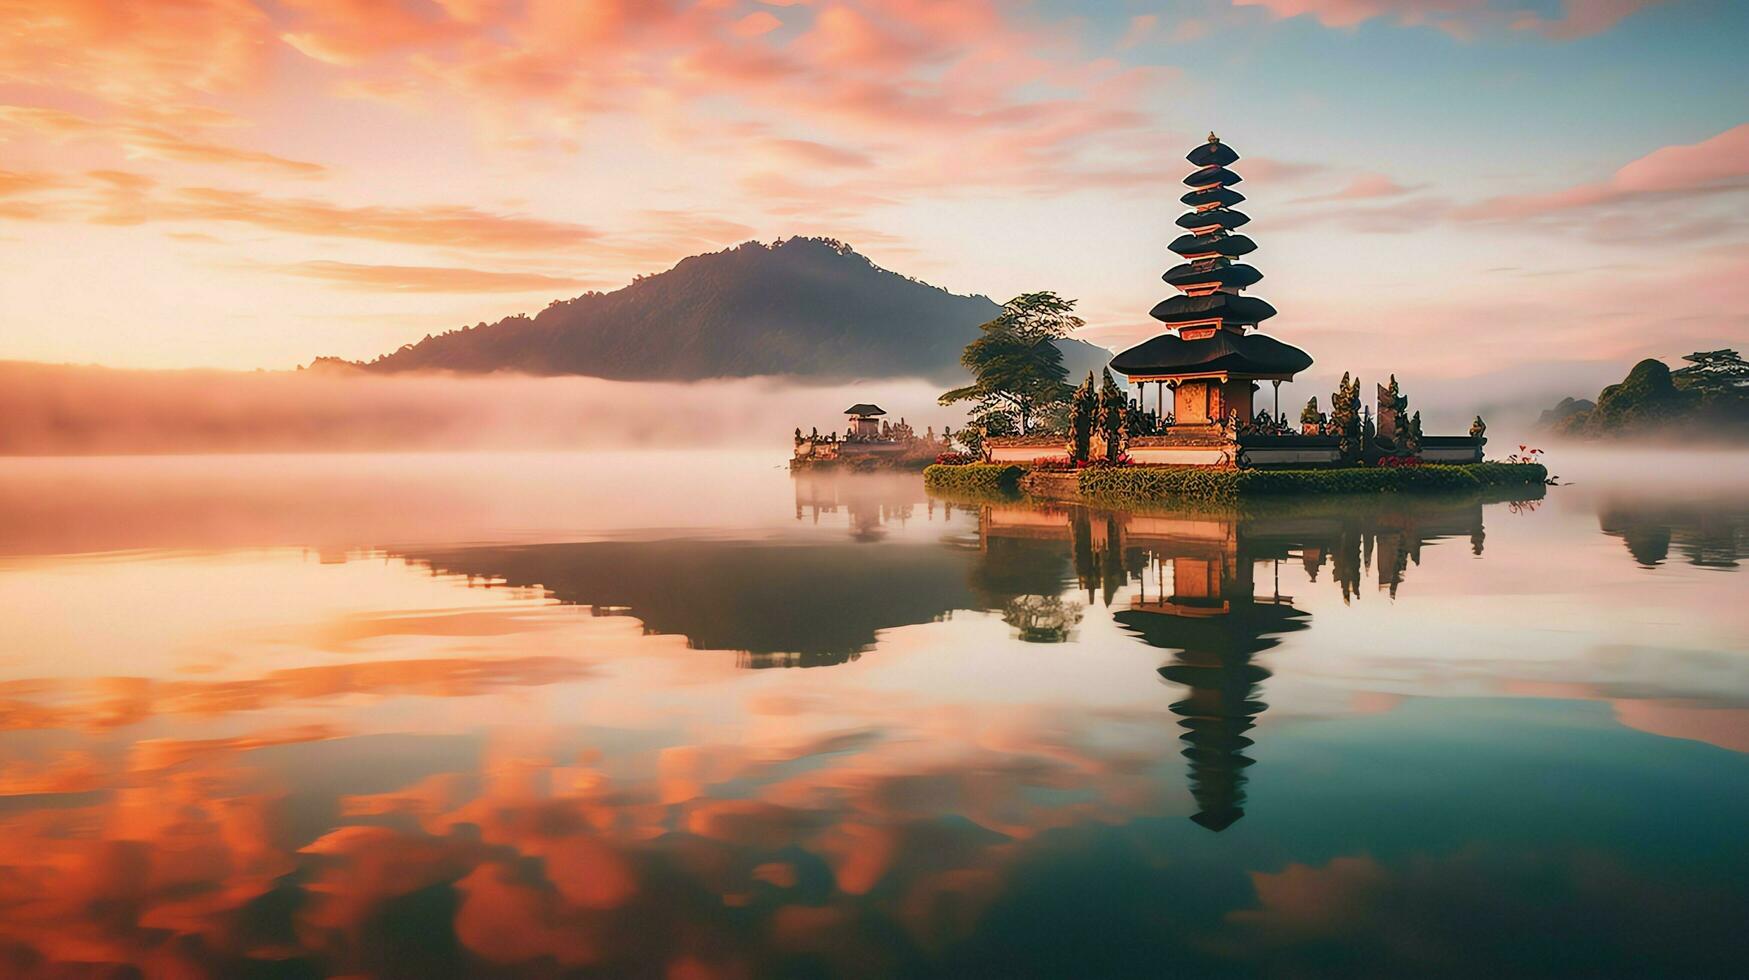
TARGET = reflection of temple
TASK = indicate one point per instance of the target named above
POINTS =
(1205, 606)
(1708, 533)
(871, 501)
(1193, 590)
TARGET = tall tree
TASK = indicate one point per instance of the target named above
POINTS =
(1083, 415)
(1713, 371)
(1113, 416)
(1015, 363)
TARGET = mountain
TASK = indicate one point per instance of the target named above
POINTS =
(808, 307)
(1565, 409)
(1705, 402)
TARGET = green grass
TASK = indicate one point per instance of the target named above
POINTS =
(974, 478)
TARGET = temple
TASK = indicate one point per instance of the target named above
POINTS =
(1212, 357)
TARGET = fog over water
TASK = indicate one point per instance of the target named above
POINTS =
(73, 410)
(56, 409)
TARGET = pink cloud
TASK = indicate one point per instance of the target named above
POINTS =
(1363, 187)
(1460, 18)
(1720, 163)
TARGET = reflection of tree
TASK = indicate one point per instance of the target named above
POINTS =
(1708, 533)
(869, 501)
(781, 603)
(1042, 618)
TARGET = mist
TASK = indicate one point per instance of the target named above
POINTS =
(80, 410)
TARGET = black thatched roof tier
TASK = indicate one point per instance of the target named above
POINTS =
(1213, 175)
(1224, 196)
(1249, 628)
(1214, 217)
(863, 408)
(1227, 350)
(1214, 153)
(1227, 245)
(1228, 307)
(1223, 272)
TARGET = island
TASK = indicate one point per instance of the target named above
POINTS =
(1206, 436)
(1705, 402)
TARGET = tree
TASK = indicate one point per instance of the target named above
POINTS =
(1113, 416)
(1015, 364)
(1083, 411)
(1345, 418)
(1713, 371)
(1403, 438)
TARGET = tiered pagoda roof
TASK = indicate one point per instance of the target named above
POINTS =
(1210, 320)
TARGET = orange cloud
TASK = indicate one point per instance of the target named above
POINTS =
(134, 53)
(146, 141)
(427, 279)
(130, 198)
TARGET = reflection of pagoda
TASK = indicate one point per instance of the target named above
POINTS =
(1207, 356)
(1214, 620)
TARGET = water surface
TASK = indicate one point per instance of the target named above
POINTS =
(681, 715)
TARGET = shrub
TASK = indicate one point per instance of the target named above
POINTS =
(957, 459)
(1185, 482)
(1397, 461)
(973, 477)
(1370, 479)
(1055, 464)
(1162, 481)
(1494, 474)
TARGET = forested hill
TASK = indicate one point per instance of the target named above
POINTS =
(808, 307)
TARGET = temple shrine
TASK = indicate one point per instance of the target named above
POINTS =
(1212, 358)
(1204, 372)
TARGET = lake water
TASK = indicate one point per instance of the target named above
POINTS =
(683, 716)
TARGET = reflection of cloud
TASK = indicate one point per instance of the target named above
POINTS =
(1554, 910)
(114, 702)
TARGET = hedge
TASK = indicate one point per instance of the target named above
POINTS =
(1508, 474)
(1228, 485)
(1159, 481)
(973, 478)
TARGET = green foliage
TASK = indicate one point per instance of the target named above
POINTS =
(1713, 371)
(1646, 400)
(1083, 412)
(1114, 410)
(1146, 482)
(1220, 486)
(1709, 400)
(977, 478)
(1015, 362)
(1508, 474)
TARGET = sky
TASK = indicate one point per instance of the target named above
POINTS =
(1470, 193)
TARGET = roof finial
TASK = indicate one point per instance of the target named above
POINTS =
(1213, 138)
